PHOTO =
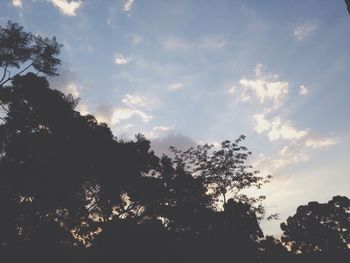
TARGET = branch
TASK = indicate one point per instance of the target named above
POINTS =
(19, 73)
(5, 70)
(2, 105)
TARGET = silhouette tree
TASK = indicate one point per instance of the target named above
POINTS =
(272, 249)
(319, 227)
(58, 165)
(224, 171)
(22, 50)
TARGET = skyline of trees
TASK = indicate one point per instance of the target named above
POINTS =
(70, 191)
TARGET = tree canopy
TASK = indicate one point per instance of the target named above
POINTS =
(319, 227)
(70, 191)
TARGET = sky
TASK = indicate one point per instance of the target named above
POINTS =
(188, 72)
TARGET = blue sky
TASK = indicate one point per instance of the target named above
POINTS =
(185, 72)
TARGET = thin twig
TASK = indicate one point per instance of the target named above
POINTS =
(5, 70)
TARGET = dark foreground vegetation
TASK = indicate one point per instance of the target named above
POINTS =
(72, 192)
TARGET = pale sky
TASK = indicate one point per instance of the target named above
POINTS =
(188, 71)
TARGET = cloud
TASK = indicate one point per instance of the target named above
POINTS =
(135, 101)
(176, 44)
(212, 42)
(175, 87)
(120, 114)
(83, 108)
(158, 131)
(72, 89)
(67, 7)
(300, 142)
(297, 151)
(120, 59)
(261, 123)
(321, 143)
(66, 82)
(303, 90)
(266, 88)
(17, 3)
(136, 39)
(278, 129)
(160, 145)
(128, 4)
(232, 90)
(285, 130)
(115, 115)
(302, 31)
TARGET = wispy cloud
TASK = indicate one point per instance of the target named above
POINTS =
(175, 87)
(213, 42)
(303, 90)
(17, 3)
(136, 39)
(135, 101)
(297, 151)
(176, 44)
(232, 90)
(128, 4)
(67, 7)
(120, 59)
(302, 31)
(320, 143)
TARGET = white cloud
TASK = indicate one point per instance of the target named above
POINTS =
(135, 101)
(128, 4)
(289, 154)
(158, 131)
(261, 123)
(175, 86)
(120, 59)
(297, 151)
(303, 90)
(120, 114)
(278, 129)
(285, 130)
(265, 87)
(302, 31)
(67, 7)
(232, 90)
(321, 143)
(113, 116)
(17, 3)
(72, 89)
(83, 108)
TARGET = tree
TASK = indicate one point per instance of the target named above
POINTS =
(319, 227)
(224, 171)
(22, 50)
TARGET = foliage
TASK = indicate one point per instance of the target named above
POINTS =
(72, 192)
(319, 227)
(224, 171)
(22, 50)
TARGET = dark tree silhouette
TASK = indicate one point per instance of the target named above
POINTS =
(319, 227)
(72, 192)
(272, 250)
(224, 171)
(59, 165)
(23, 50)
